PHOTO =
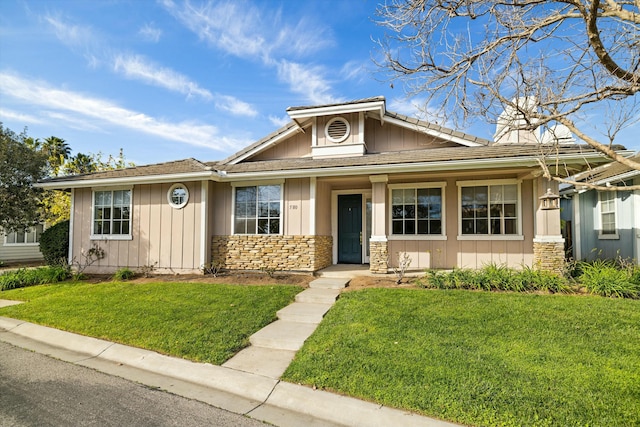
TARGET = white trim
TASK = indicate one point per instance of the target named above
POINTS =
(72, 218)
(355, 107)
(130, 181)
(361, 120)
(442, 185)
(343, 137)
(20, 245)
(548, 239)
(169, 196)
(382, 239)
(338, 150)
(94, 236)
(598, 223)
(313, 182)
(204, 222)
(491, 183)
(490, 237)
(268, 143)
(577, 241)
(314, 132)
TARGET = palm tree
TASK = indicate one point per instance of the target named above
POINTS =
(57, 151)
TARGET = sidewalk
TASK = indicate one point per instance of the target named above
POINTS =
(257, 396)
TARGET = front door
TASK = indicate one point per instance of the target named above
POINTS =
(350, 229)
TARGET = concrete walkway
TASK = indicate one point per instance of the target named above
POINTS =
(246, 384)
(272, 348)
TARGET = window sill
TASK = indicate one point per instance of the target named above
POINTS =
(510, 237)
(417, 237)
(20, 244)
(609, 236)
(111, 237)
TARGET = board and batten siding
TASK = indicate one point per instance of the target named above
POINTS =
(166, 238)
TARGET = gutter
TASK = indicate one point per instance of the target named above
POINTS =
(144, 179)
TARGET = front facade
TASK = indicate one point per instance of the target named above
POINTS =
(344, 183)
(604, 224)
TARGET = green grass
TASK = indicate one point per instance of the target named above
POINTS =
(196, 321)
(489, 359)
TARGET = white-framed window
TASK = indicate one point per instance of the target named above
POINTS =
(30, 236)
(417, 209)
(608, 215)
(111, 214)
(489, 209)
(178, 196)
(258, 209)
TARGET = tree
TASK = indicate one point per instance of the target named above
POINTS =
(57, 151)
(20, 168)
(550, 62)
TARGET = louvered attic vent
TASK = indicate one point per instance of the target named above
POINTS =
(337, 129)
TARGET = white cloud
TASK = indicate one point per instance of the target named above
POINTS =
(139, 68)
(279, 121)
(42, 94)
(354, 70)
(14, 115)
(150, 32)
(70, 34)
(235, 106)
(306, 80)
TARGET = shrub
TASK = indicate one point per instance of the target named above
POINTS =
(606, 278)
(124, 274)
(34, 276)
(54, 244)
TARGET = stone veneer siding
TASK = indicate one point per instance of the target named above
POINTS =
(272, 252)
(549, 256)
(379, 257)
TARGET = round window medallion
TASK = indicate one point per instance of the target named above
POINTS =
(178, 196)
(337, 129)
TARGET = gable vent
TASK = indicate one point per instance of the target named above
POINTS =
(337, 129)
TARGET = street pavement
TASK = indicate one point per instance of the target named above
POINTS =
(36, 390)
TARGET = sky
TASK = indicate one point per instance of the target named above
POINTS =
(171, 79)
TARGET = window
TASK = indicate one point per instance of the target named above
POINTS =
(31, 236)
(112, 213)
(607, 203)
(416, 210)
(257, 209)
(489, 209)
(178, 196)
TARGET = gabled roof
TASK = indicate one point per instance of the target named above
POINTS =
(374, 106)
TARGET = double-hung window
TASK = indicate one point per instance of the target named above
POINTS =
(489, 208)
(607, 204)
(417, 209)
(30, 236)
(258, 210)
(111, 214)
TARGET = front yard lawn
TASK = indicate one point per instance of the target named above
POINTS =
(487, 359)
(196, 321)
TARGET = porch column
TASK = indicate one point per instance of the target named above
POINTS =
(379, 253)
(548, 243)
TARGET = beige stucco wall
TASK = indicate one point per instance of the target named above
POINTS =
(168, 238)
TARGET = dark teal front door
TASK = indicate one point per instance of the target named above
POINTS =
(350, 229)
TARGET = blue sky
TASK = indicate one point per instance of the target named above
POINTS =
(169, 79)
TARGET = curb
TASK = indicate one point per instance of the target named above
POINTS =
(260, 397)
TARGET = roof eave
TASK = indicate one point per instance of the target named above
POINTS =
(130, 180)
(377, 106)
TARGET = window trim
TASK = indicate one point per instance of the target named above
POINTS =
(442, 185)
(25, 244)
(235, 185)
(601, 235)
(169, 194)
(489, 183)
(94, 236)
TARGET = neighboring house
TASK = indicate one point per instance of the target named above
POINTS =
(604, 224)
(18, 246)
(343, 183)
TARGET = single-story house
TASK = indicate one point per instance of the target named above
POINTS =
(21, 246)
(603, 224)
(341, 183)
